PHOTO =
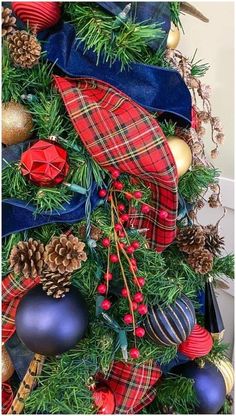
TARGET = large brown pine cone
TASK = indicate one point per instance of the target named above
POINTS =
(55, 284)
(201, 261)
(190, 239)
(25, 49)
(213, 242)
(64, 254)
(27, 258)
(8, 22)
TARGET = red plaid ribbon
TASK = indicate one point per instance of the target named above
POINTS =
(120, 134)
(7, 397)
(13, 289)
(132, 385)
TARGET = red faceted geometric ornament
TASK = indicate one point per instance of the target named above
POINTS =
(198, 344)
(104, 400)
(45, 164)
(39, 15)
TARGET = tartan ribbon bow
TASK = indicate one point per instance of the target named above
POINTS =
(119, 133)
(133, 386)
(13, 289)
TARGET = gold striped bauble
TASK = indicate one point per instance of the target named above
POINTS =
(227, 371)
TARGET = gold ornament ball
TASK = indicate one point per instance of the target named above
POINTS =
(227, 371)
(173, 37)
(7, 367)
(17, 123)
(181, 153)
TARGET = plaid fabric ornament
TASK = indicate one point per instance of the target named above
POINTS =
(7, 397)
(120, 134)
(132, 385)
(13, 289)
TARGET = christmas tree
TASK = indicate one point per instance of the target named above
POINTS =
(109, 279)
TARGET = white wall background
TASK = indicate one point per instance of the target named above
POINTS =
(214, 42)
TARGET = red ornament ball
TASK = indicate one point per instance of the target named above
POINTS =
(118, 185)
(114, 258)
(128, 319)
(121, 234)
(108, 276)
(106, 242)
(118, 227)
(115, 173)
(142, 309)
(124, 292)
(128, 196)
(130, 250)
(138, 297)
(45, 164)
(102, 193)
(106, 304)
(135, 245)
(121, 207)
(137, 194)
(140, 332)
(104, 400)
(134, 306)
(134, 353)
(102, 289)
(124, 217)
(139, 281)
(198, 343)
(145, 209)
(39, 15)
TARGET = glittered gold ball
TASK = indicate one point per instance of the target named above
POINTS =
(227, 371)
(173, 37)
(181, 152)
(7, 367)
(16, 123)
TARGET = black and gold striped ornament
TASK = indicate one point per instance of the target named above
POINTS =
(172, 324)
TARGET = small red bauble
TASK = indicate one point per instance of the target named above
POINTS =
(109, 198)
(106, 242)
(115, 173)
(118, 185)
(39, 15)
(45, 164)
(133, 268)
(121, 244)
(163, 215)
(135, 245)
(124, 292)
(121, 207)
(102, 193)
(118, 227)
(128, 319)
(130, 250)
(134, 306)
(145, 209)
(137, 195)
(142, 309)
(134, 353)
(106, 304)
(114, 258)
(101, 289)
(121, 234)
(197, 344)
(140, 281)
(104, 400)
(108, 276)
(140, 332)
(128, 196)
(138, 297)
(133, 262)
(124, 217)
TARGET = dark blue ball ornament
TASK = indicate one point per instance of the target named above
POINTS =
(50, 326)
(209, 385)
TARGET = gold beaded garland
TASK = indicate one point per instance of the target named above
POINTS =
(181, 153)
(7, 366)
(173, 37)
(17, 123)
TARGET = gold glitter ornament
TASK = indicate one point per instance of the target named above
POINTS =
(17, 123)
(173, 37)
(7, 366)
(227, 371)
(181, 153)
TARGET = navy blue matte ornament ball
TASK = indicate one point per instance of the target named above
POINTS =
(50, 326)
(209, 385)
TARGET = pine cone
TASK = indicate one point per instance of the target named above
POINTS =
(8, 22)
(24, 49)
(213, 242)
(64, 254)
(214, 201)
(55, 284)
(96, 233)
(27, 258)
(190, 239)
(201, 261)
